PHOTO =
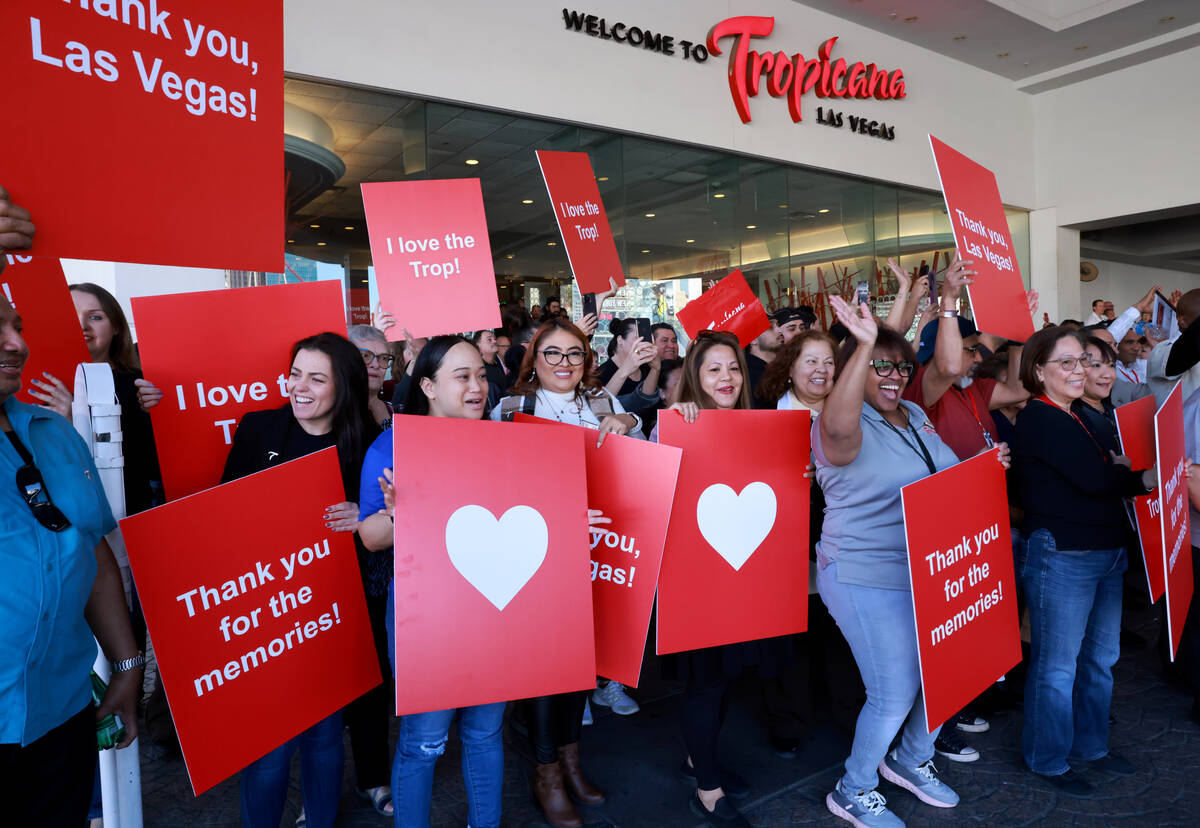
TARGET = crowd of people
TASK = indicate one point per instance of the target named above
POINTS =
(891, 402)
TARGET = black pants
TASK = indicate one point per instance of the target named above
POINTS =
(554, 721)
(49, 782)
(368, 716)
(1189, 645)
(704, 707)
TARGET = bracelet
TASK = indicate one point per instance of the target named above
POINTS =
(947, 314)
(129, 663)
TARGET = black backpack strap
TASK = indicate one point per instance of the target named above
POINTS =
(509, 406)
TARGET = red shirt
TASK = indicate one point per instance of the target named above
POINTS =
(961, 415)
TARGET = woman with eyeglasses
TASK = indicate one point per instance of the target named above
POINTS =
(373, 345)
(868, 443)
(327, 406)
(714, 376)
(556, 381)
(1070, 486)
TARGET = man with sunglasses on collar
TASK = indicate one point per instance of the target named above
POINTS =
(61, 587)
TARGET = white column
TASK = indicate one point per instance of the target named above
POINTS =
(1054, 265)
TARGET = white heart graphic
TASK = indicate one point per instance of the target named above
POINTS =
(497, 557)
(735, 524)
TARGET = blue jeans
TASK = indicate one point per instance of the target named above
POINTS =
(422, 740)
(1075, 639)
(879, 627)
(264, 783)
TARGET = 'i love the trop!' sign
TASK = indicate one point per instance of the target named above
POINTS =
(582, 221)
(493, 597)
(964, 594)
(178, 98)
(734, 568)
(432, 257)
(239, 365)
(256, 609)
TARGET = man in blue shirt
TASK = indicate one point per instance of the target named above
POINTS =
(61, 587)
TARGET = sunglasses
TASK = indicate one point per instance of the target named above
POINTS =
(884, 367)
(33, 491)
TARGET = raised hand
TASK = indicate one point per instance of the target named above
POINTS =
(148, 394)
(1146, 303)
(16, 230)
(382, 319)
(1031, 296)
(862, 324)
(958, 275)
(902, 276)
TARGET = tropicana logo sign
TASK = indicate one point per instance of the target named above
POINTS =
(793, 76)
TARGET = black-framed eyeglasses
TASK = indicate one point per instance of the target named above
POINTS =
(553, 356)
(33, 491)
(884, 367)
(385, 360)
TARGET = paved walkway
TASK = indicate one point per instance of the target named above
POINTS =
(635, 760)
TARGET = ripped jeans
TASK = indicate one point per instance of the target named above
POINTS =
(423, 739)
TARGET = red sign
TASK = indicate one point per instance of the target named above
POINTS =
(632, 482)
(179, 99)
(432, 256)
(964, 593)
(1171, 452)
(734, 568)
(360, 306)
(571, 185)
(216, 355)
(37, 289)
(791, 76)
(729, 305)
(1135, 422)
(981, 232)
(258, 617)
(493, 600)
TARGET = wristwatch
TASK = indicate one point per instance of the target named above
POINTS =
(130, 663)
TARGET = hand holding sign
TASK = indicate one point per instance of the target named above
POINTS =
(16, 227)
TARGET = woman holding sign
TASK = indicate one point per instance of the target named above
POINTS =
(1070, 488)
(868, 443)
(327, 406)
(449, 379)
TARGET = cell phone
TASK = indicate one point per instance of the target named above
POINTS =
(862, 294)
(932, 277)
(589, 303)
(643, 328)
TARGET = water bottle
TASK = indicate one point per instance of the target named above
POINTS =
(109, 730)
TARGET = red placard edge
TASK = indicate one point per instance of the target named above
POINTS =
(1162, 522)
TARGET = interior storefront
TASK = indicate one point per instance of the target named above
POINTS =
(682, 216)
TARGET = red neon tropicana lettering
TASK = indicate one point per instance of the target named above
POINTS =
(794, 76)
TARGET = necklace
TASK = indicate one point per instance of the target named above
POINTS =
(559, 412)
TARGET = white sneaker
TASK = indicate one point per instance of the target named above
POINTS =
(587, 713)
(613, 695)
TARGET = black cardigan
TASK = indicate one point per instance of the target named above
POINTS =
(1065, 484)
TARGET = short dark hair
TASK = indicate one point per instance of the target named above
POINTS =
(1038, 349)
(885, 340)
(664, 370)
(1097, 302)
(662, 326)
(550, 299)
(1107, 353)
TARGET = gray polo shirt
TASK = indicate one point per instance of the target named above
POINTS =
(864, 521)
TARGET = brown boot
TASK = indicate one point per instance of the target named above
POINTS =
(552, 797)
(581, 789)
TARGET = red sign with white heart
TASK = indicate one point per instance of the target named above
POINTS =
(735, 568)
(493, 597)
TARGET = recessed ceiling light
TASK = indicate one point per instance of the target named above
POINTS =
(320, 244)
(348, 227)
(315, 226)
(718, 195)
(650, 215)
(688, 241)
(511, 256)
(751, 226)
(823, 210)
(1080, 48)
(646, 250)
(527, 201)
(551, 244)
(782, 206)
(602, 178)
(291, 241)
(960, 37)
(1003, 54)
(780, 233)
(471, 162)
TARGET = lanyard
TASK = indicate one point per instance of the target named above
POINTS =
(1075, 417)
(970, 398)
(1129, 376)
(20, 447)
(923, 452)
